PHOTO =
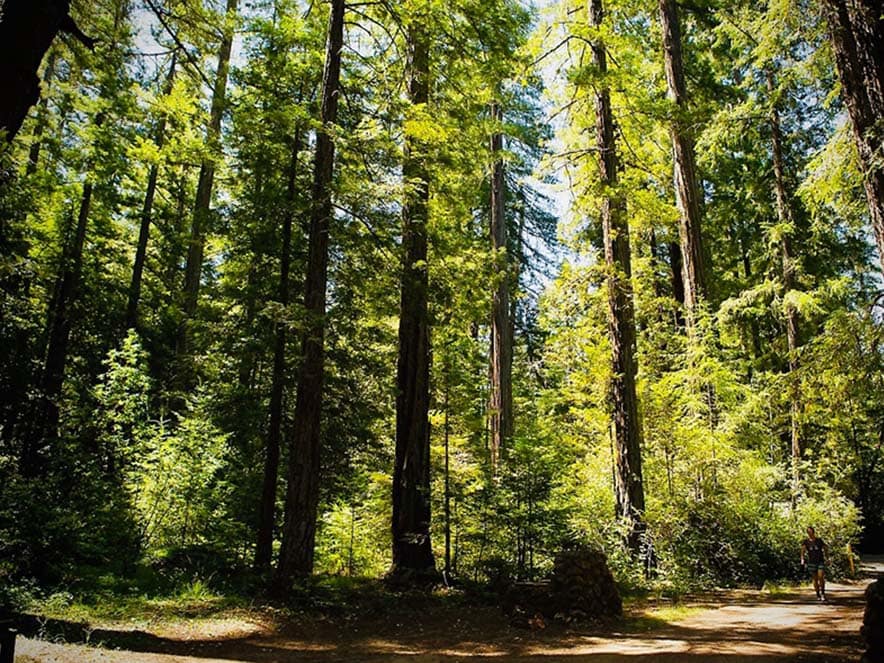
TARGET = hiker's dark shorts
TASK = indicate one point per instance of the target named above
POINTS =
(813, 568)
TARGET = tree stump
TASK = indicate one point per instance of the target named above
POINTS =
(872, 630)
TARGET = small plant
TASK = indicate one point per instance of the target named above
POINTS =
(196, 590)
(17, 596)
(58, 602)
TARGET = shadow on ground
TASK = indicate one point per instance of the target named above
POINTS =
(731, 628)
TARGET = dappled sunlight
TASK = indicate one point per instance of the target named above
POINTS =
(431, 330)
(721, 626)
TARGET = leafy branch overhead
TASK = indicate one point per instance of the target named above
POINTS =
(432, 291)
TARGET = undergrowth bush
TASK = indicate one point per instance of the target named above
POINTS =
(720, 542)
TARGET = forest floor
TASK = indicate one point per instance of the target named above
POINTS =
(733, 626)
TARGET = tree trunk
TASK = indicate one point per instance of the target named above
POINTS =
(302, 494)
(15, 282)
(205, 184)
(630, 497)
(754, 331)
(501, 402)
(656, 261)
(146, 214)
(267, 513)
(785, 218)
(676, 280)
(687, 192)
(412, 552)
(248, 352)
(44, 426)
(42, 112)
(175, 234)
(447, 497)
(856, 28)
(27, 29)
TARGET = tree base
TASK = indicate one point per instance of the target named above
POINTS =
(872, 630)
(402, 577)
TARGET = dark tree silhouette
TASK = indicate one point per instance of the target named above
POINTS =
(27, 29)
(302, 494)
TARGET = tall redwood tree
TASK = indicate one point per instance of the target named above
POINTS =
(501, 401)
(302, 493)
(687, 191)
(856, 28)
(629, 487)
(412, 552)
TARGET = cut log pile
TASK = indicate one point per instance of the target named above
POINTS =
(583, 582)
(581, 588)
(873, 624)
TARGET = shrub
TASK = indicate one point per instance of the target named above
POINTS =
(724, 542)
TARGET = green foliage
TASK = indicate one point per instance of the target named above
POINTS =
(180, 486)
(122, 400)
(153, 481)
(739, 539)
(354, 537)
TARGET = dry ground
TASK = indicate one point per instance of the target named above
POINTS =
(732, 627)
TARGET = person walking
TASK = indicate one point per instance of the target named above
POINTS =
(813, 557)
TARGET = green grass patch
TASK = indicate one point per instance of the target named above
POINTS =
(781, 588)
(194, 600)
(658, 617)
(111, 601)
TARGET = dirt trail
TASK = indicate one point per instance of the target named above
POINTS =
(732, 627)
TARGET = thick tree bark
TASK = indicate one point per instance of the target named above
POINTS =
(146, 215)
(27, 29)
(687, 193)
(630, 496)
(412, 552)
(676, 280)
(205, 184)
(856, 28)
(302, 492)
(267, 512)
(501, 401)
(676, 271)
(785, 218)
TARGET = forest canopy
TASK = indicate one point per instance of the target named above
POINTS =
(422, 288)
